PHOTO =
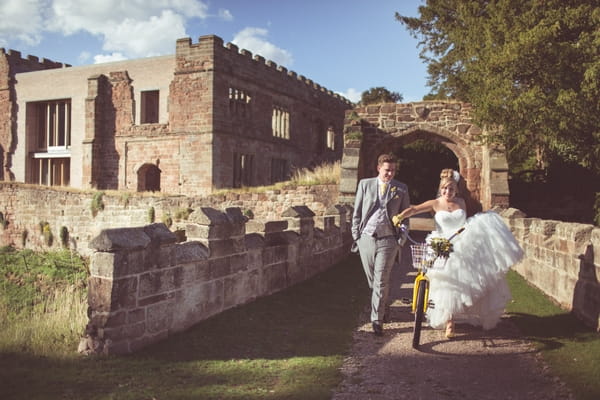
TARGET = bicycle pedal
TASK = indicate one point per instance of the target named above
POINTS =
(430, 305)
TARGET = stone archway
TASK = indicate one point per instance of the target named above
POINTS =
(375, 129)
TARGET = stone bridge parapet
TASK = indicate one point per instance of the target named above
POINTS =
(145, 286)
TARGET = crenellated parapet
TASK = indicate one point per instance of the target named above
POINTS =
(145, 285)
(197, 57)
(30, 63)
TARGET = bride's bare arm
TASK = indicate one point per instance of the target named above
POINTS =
(427, 206)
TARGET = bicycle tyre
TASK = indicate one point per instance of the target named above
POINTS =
(419, 313)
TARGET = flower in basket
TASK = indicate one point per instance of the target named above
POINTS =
(442, 247)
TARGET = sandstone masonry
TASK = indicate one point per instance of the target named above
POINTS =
(144, 286)
(210, 116)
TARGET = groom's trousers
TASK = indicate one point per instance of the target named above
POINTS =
(378, 256)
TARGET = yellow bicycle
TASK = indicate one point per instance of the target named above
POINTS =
(423, 258)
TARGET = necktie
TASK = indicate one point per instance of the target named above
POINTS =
(383, 188)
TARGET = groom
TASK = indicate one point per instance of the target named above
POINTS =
(375, 237)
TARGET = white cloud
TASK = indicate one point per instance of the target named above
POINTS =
(351, 94)
(134, 28)
(84, 56)
(253, 39)
(138, 38)
(104, 58)
(21, 20)
(225, 15)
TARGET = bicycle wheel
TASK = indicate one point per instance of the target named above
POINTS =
(419, 313)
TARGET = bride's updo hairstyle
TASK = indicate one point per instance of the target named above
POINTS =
(448, 175)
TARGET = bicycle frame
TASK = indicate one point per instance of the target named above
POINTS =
(420, 279)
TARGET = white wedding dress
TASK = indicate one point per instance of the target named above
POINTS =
(471, 287)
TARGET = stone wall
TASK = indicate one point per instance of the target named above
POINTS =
(563, 260)
(24, 207)
(375, 129)
(144, 286)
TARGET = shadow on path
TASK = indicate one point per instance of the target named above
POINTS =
(477, 364)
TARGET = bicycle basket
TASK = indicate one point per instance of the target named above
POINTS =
(419, 253)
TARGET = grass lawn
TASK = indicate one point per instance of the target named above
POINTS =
(571, 349)
(287, 346)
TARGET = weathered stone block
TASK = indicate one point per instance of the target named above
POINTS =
(273, 278)
(112, 240)
(240, 288)
(135, 316)
(275, 254)
(190, 252)
(107, 295)
(156, 282)
(222, 248)
(159, 316)
(195, 272)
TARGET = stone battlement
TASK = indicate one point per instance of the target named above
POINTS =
(31, 63)
(185, 47)
(144, 286)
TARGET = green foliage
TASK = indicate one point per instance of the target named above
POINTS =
(379, 94)
(97, 203)
(46, 232)
(288, 345)
(125, 197)
(571, 349)
(182, 213)
(27, 278)
(353, 136)
(167, 220)
(249, 213)
(151, 215)
(531, 67)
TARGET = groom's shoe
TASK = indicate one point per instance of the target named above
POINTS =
(377, 329)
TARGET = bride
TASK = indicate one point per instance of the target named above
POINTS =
(471, 287)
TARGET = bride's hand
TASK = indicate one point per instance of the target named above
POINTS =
(397, 219)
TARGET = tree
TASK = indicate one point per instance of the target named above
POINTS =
(379, 94)
(530, 67)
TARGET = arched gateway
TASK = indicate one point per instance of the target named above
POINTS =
(375, 129)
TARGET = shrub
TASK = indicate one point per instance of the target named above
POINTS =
(167, 220)
(183, 214)
(46, 233)
(97, 203)
(151, 215)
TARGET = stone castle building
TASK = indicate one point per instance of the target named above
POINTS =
(209, 117)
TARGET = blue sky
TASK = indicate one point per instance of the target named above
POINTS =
(347, 46)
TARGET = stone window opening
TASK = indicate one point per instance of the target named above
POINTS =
(148, 178)
(280, 122)
(149, 107)
(48, 133)
(279, 170)
(330, 138)
(243, 165)
(239, 102)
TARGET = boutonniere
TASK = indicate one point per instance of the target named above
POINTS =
(393, 191)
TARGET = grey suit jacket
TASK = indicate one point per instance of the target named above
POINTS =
(366, 201)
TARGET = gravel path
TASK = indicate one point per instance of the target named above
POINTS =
(477, 364)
